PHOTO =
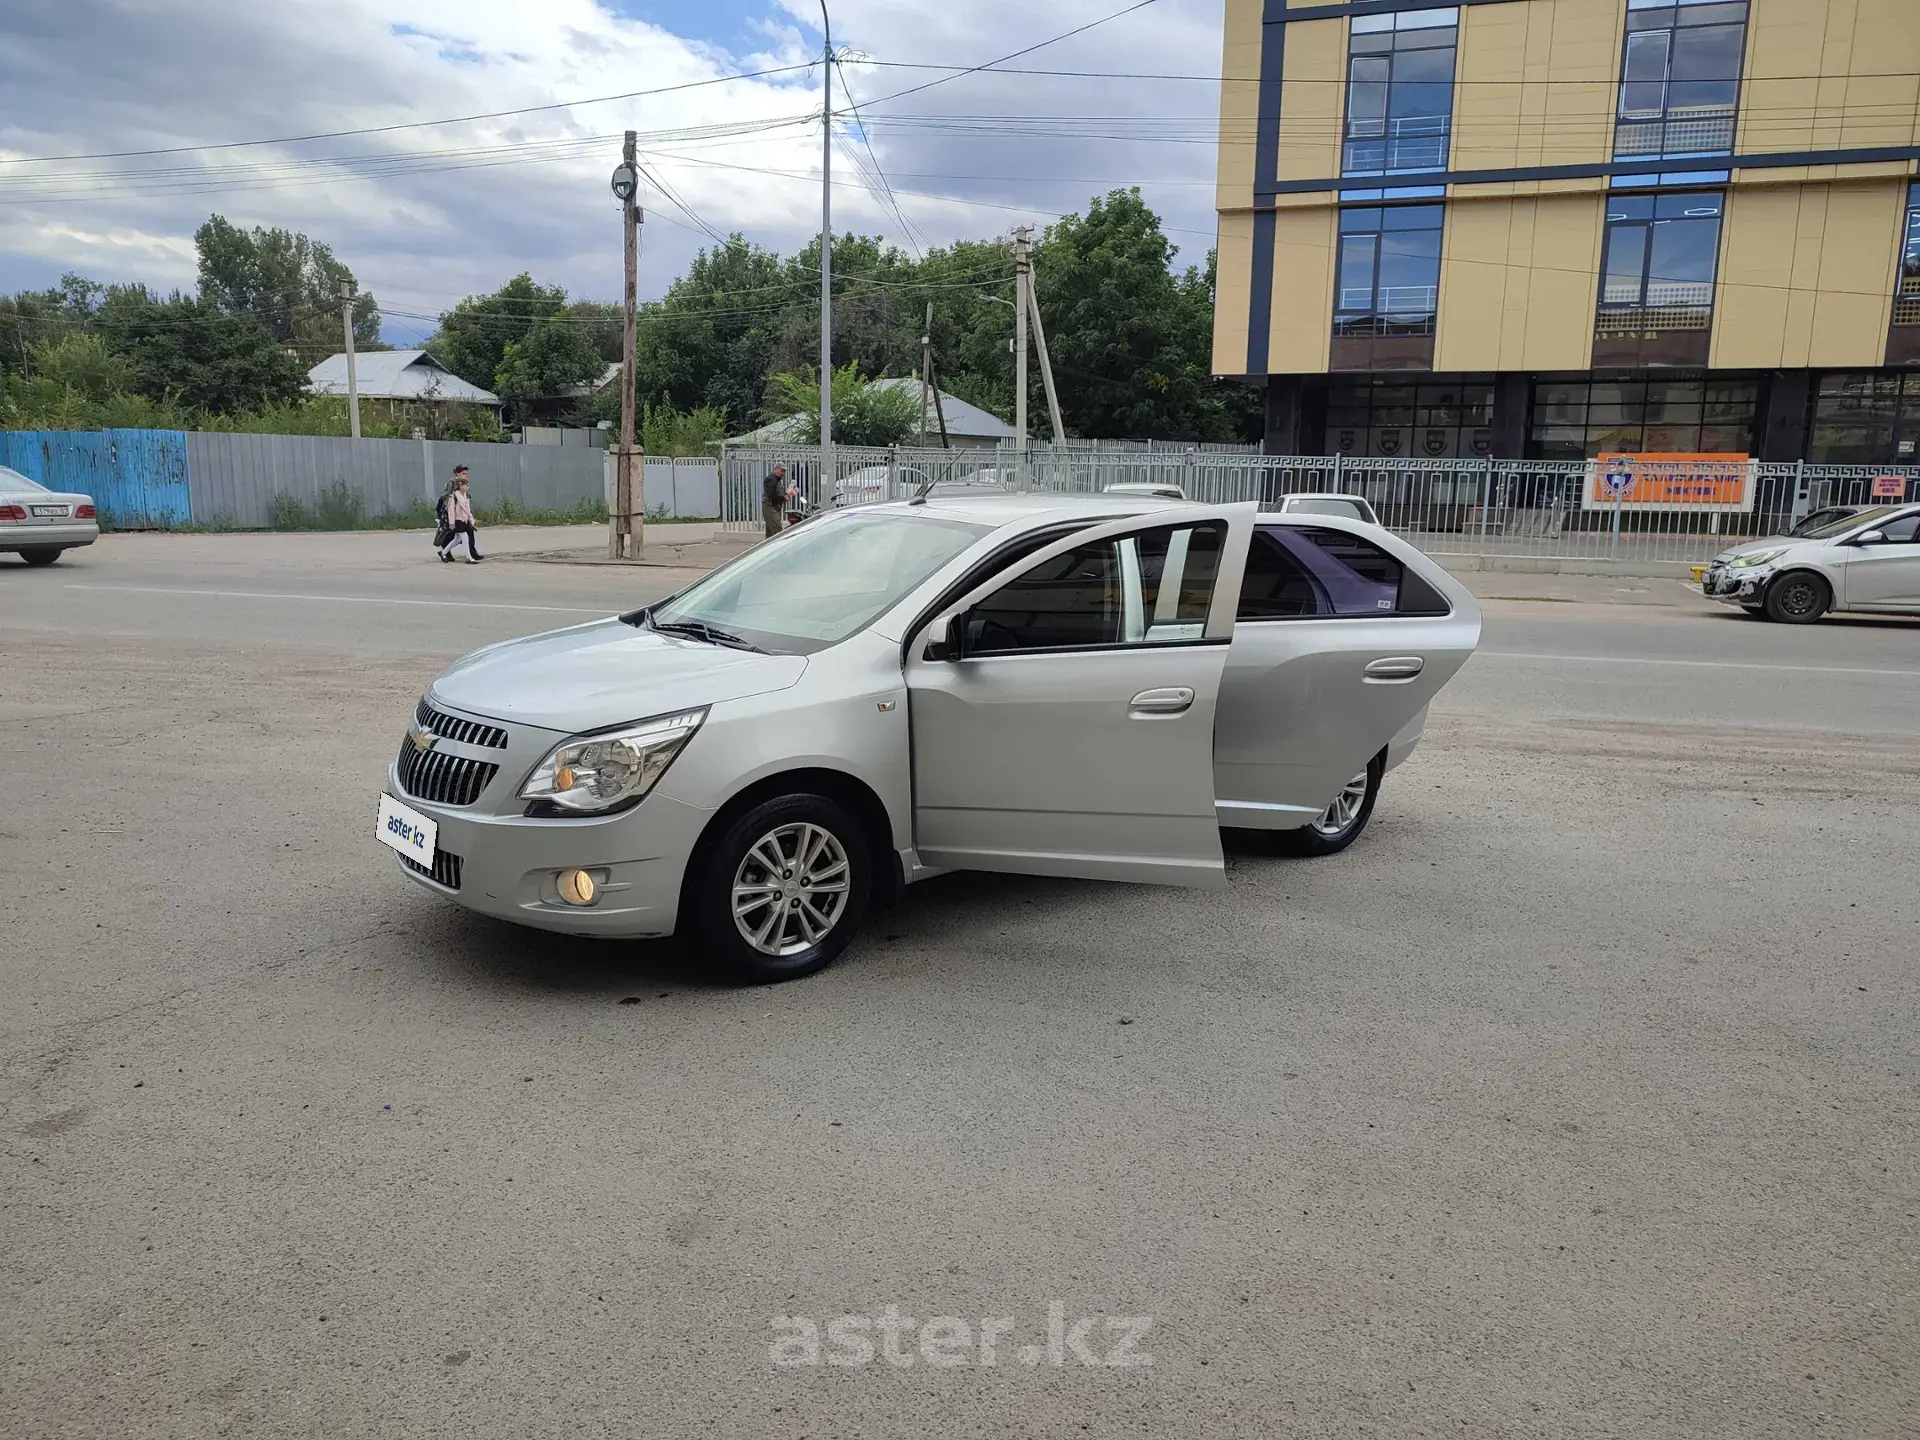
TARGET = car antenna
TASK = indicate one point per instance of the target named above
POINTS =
(920, 495)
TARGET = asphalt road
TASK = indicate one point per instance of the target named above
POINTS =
(1579, 1098)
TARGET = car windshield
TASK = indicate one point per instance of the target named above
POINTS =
(14, 480)
(1839, 525)
(820, 582)
(1345, 508)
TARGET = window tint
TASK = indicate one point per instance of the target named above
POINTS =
(1150, 588)
(1901, 531)
(1297, 571)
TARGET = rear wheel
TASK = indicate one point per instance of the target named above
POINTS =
(41, 555)
(1798, 597)
(784, 889)
(1340, 824)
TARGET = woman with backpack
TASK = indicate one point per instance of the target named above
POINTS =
(455, 513)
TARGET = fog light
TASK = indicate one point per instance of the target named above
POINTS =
(576, 887)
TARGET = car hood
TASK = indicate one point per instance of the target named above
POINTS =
(589, 676)
(1772, 542)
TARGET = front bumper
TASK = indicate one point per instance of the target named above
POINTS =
(495, 860)
(44, 537)
(1736, 587)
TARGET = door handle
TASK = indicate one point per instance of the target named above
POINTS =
(1174, 700)
(1394, 670)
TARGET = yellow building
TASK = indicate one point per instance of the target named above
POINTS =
(1556, 228)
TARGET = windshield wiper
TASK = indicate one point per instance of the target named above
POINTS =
(700, 630)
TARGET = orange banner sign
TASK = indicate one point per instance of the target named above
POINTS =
(1889, 487)
(1666, 481)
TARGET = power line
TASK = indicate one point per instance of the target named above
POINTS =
(976, 69)
(415, 124)
(905, 224)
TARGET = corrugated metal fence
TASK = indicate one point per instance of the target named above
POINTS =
(159, 478)
(137, 478)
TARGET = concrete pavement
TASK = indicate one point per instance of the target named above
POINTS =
(1578, 1098)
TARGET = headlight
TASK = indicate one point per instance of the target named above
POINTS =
(597, 774)
(1758, 557)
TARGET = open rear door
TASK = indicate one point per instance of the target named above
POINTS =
(1062, 712)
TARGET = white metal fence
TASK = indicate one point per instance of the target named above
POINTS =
(1550, 509)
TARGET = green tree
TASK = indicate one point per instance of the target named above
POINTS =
(864, 412)
(287, 282)
(1130, 340)
(473, 336)
(537, 371)
(191, 352)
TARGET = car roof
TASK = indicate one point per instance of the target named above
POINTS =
(1002, 509)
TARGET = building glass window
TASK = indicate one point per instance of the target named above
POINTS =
(1656, 279)
(1680, 78)
(1866, 418)
(1579, 419)
(1400, 92)
(1387, 287)
(1903, 346)
(1436, 419)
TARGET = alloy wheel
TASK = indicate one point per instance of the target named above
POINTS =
(1345, 808)
(791, 889)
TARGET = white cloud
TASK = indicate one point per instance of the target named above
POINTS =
(427, 215)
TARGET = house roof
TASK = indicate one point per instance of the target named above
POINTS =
(968, 421)
(396, 375)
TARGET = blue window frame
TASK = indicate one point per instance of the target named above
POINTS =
(1400, 92)
(1906, 296)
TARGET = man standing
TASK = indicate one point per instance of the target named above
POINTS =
(774, 494)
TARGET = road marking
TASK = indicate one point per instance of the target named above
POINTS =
(349, 599)
(1695, 664)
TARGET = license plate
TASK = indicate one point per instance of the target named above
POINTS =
(51, 512)
(405, 829)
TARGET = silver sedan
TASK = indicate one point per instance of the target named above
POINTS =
(1866, 560)
(1082, 686)
(38, 523)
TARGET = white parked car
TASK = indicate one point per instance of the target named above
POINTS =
(1049, 685)
(37, 523)
(1868, 560)
(1328, 502)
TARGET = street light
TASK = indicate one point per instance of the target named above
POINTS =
(626, 183)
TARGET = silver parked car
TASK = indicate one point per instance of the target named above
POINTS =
(39, 523)
(1867, 560)
(1328, 502)
(1048, 685)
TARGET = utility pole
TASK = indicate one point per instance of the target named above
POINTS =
(353, 379)
(926, 371)
(1046, 365)
(1022, 276)
(624, 540)
(826, 260)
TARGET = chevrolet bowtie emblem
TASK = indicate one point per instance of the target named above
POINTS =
(423, 738)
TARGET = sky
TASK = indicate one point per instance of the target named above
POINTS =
(425, 214)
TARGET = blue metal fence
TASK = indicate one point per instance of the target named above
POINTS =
(137, 478)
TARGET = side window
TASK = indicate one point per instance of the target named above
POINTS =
(1903, 531)
(1151, 588)
(1296, 571)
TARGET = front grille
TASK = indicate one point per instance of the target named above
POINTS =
(465, 732)
(442, 779)
(445, 870)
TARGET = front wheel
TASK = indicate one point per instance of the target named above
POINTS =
(784, 889)
(41, 555)
(1340, 824)
(1798, 598)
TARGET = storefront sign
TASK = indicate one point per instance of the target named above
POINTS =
(1667, 481)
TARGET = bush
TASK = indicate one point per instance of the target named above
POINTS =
(290, 513)
(340, 508)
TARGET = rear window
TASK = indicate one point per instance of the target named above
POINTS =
(1345, 508)
(1297, 572)
(13, 480)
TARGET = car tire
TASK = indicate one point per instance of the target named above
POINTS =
(1798, 597)
(781, 939)
(1342, 822)
(41, 555)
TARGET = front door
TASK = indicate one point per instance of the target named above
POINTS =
(1072, 733)
(1888, 571)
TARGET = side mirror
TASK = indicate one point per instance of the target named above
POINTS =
(1871, 537)
(944, 640)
